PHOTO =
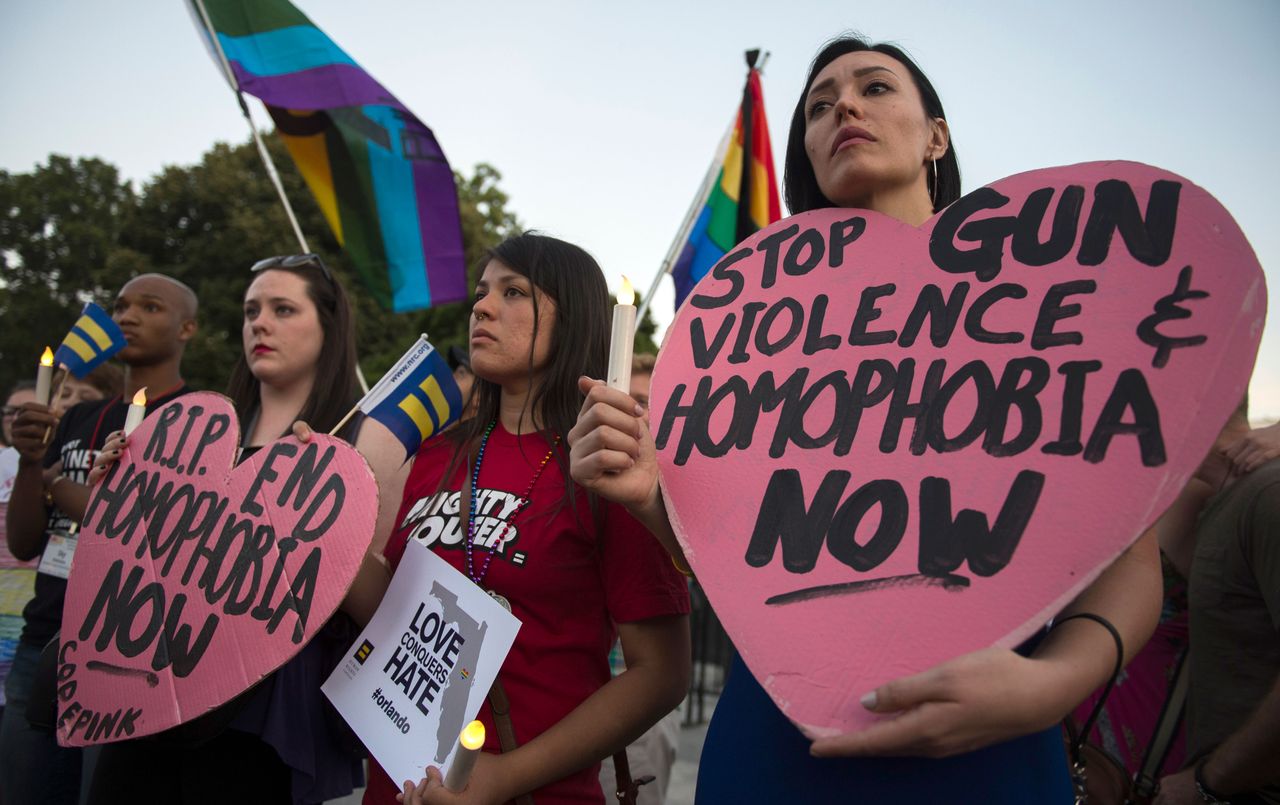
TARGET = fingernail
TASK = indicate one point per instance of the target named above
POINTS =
(868, 700)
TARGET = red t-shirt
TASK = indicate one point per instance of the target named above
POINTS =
(567, 584)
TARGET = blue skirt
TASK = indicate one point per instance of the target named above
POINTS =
(754, 754)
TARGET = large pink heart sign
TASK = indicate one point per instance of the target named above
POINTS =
(882, 447)
(193, 580)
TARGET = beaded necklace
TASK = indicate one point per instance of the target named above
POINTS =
(478, 578)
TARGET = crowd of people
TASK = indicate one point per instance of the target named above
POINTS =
(600, 560)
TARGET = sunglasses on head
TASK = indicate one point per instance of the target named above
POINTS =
(291, 261)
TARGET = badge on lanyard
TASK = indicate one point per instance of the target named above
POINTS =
(58, 554)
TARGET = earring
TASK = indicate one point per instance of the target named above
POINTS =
(934, 196)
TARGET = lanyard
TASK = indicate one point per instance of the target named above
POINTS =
(93, 440)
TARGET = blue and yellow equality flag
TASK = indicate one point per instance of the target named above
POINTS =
(94, 338)
(416, 398)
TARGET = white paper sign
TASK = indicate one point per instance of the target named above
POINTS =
(420, 670)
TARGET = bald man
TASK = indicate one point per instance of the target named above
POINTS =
(158, 316)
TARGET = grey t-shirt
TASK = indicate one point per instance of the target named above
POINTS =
(1234, 594)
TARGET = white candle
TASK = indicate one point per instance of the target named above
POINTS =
(622, 340)
(469, 743)
(137, 411)
(44, 377)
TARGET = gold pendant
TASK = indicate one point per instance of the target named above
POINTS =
(501, 599)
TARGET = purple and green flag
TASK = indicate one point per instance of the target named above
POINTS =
(376, 171)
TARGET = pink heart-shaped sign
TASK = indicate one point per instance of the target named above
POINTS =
(193, 580)
(882, 447)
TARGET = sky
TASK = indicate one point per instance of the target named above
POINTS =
(603, 117)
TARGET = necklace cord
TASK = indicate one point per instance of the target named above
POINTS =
(471, 492)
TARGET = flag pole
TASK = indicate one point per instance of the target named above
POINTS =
(345, 419)
(699, 200)
(690, 217)
(270, 165)
(257, 137)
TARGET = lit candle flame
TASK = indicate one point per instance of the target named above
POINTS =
(47, 358)
(141, 397)
(626, 295)
(472, 736)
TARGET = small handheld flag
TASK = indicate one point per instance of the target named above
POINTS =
(416, 398)
(93, 339)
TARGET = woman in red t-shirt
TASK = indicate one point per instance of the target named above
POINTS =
(492, 498)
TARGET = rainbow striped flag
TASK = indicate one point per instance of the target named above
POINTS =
(416, 398)
(93, 339)
(744, 198)
(376, 171)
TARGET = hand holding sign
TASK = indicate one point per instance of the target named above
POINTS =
(422, 667)
(107, 457)
(884, 447)
(194, 580)
(975, 700)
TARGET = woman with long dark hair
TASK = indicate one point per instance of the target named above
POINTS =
(299, 356)
(493, 497)
(869, 131)
(280, 741)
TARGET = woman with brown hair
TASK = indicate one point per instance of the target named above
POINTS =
(280, 741)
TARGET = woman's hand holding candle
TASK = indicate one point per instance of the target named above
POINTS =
(107, 457)
(137, 411)
(490, 784)
(464, 760)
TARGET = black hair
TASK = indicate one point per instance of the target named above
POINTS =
(800, 185)
(579, 345)
(335, 388)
